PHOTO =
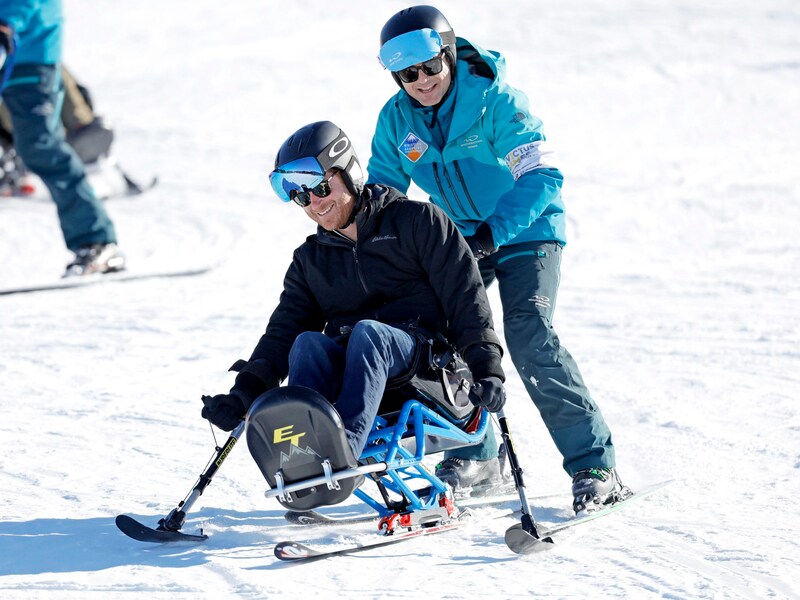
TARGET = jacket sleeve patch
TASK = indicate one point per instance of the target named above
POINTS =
(412, 147)
(528, 157)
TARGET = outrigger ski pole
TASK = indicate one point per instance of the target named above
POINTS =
(174, 520)
(524, 537)
(169, 527)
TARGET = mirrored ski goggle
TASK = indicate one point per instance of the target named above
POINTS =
(429, 67)
(297, 180)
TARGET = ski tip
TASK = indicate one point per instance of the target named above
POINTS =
(521, 541)
(134, 529)
(293, 551)
(140, 532)
(124, 521)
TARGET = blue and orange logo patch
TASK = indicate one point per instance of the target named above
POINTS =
(412, 147)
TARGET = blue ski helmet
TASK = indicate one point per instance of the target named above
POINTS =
(415, 35)
(308, 153)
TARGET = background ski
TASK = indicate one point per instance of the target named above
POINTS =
(84, 280)
(297, 552)
(521, 542)
(140, 532)
(134, 188)
(314, 517)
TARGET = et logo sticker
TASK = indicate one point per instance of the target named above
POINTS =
(286, 434)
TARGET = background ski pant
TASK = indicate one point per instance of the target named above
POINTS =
(528, 276)
(353, 379)
(33, 95)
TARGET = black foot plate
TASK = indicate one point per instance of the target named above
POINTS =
(522, 542)
(132, 528)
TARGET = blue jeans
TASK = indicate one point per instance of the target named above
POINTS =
(33, 95)
(354, 378)
(528, 275)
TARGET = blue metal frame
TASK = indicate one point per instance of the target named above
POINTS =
(386, 444)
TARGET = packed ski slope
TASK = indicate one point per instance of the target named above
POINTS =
(677, 126)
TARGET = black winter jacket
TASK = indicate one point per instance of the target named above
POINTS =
(409, 264)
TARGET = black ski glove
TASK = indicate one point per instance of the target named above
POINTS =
(481, 242)
(224, 410)
(488, 392)
(484, 361)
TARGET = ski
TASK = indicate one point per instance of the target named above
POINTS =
(106, 177)
(110, 180)
(296, 552)
(522, 542)
(133, 187)
(84, 280)
(316, 518)
(138, 531)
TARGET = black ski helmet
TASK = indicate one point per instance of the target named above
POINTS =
(416, 18)
(330, 146)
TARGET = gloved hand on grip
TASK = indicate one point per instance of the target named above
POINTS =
(224, 410)
(481, 242)
(489, 393)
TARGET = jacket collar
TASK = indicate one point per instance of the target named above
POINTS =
(376, 198)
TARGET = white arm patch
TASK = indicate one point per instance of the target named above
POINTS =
(530, 156)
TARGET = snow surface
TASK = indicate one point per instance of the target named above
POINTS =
(678, 126)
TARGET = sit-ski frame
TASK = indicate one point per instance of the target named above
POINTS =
(390, 444)
(387, 453)
(397, 465)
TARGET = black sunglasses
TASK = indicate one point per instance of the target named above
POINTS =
(321, 190)
(429, 67)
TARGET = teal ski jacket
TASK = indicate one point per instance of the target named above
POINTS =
(480, 155)
(38, 25)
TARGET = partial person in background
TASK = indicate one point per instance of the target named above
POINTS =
(469, 140)
(88, 134)
(32, 89)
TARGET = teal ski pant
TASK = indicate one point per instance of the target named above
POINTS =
(528, 276)
(33, 95)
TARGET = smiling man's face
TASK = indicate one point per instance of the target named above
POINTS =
(333, 211)
(429, 90)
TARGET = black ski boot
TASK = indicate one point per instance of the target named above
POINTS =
(470, 477)
(594, 488)
(96, 258)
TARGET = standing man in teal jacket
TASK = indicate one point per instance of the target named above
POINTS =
(32, 89)
(469, 140)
